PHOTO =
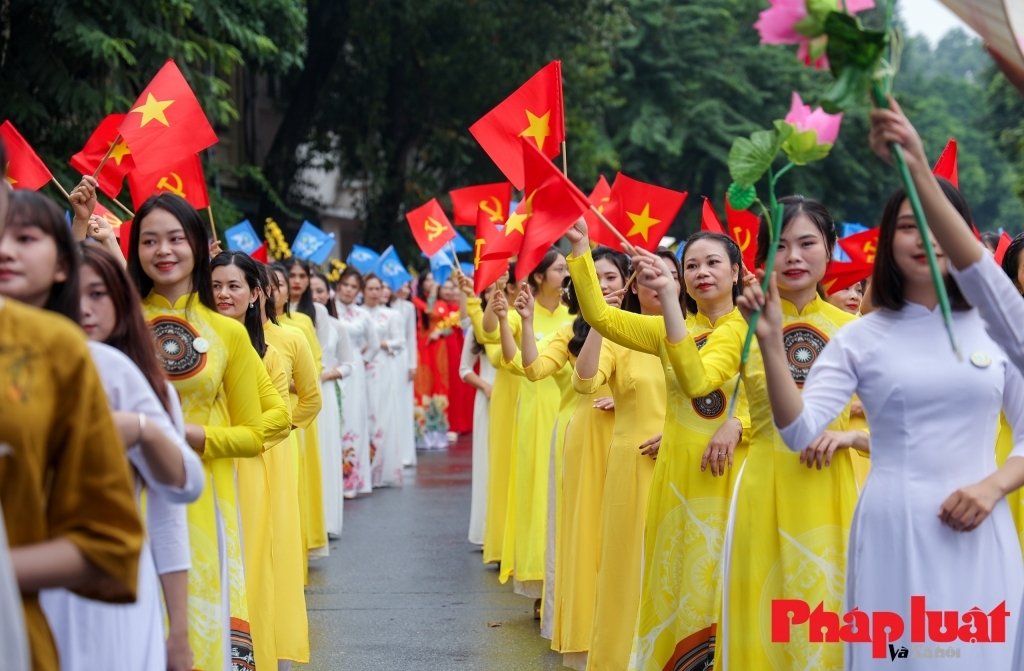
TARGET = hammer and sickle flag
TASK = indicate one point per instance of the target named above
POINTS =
(120, 163)
(534, 111)
(486, 272)
(184, 179)
(166, 124)
(743, 226)
(494, 199)
(430, 227)
(861, 247)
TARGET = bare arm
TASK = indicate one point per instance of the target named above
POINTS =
(179, 652)
(54, 563)
(161, 452)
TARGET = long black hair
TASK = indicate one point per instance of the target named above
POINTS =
(198, 241)
(250, 271)
(732, 251)
(270, 286)
(332, 309)
(279, 268)
(580, 328)
(549, 259)
(31, 209)
(305, 302)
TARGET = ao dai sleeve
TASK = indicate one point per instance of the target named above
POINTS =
(986, 287)
(493, 352)
(605, 367)
(243, 437)
(468, 358)
(277, 418)
(826, 393)
(344, 354)
(307, 388)
(700, 372)
(552, 358)
(396, 333)
(323, 324)
(409, 321)
(1013, 407)
(167, 528)
(370, 336)
(636, 332)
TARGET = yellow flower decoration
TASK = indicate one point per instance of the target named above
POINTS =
(276, 244)
(334, 274)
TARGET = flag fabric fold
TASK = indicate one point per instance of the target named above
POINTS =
(390, 269)
(362, 258)
(486, 272)
(743, 226)
(24, 169)
(312, 244)
(946, 166)
(242, 237)
(709, 219)
(597, 231)
(184, 178)
(430, 227)
(642, 212)
(861, 247)
(120, 163)
(492, 198)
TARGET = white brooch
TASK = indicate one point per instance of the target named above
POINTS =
(201, 345)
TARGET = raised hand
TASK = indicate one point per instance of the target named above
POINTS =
(577, 237)
(752, 298)
(99, 228)
(83, 198)
(892, 126)
(654, 273)
(524, 303)
(499, 305)
(466, 284)
(614, 298)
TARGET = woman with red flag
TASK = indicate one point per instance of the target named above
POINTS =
(460, 394)
(432, 377)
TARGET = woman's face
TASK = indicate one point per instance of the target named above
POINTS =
(908, 250)
(802, 257)
(321, 294)
(280, 291)
(232, 292)
(447, 292)
(348, 289)
(429, 285)
(164, 251)
(404, 291)
(372, 292)
(608, 276)
(29, 266)
(650, 303)
(554, 275)
(707, 273)
(99, 316)
(385, 294)
(298, 281)
(848, 299)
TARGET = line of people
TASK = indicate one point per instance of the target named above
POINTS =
(178, 433)
(668, 504)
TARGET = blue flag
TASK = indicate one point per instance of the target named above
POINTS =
(312, 244)
(467, 269)
(679, 250)
(390, 269)
(242, 237)
(362, 258)
(441, 266)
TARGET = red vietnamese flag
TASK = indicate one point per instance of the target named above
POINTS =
(260, 253)
(534, 111)
(430, 227)
(946, 165)
(510, 238)
(117, 166)
(1004, 244)
(493, 199)
(166, 124)
(24, 169)
(556, 205)
(861, 247)
(124, 236)
(842, 275)
(709, 219)
(642, 212)
(486, 273)
(743, 226)
(598, 232)
(185, 179)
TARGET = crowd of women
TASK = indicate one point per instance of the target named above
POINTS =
(670, 505)
(179, 431)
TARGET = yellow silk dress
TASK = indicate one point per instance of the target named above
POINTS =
(788, 525)
(1004, 445)
(504, 396)
(525, 542)
(311, 474)
(255, 501)
(208, 356)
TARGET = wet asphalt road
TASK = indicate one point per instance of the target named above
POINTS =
(404, 589)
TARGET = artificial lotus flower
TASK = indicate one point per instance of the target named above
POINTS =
(778, 25)
(826, 125)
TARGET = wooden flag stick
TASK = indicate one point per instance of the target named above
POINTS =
(127, 211)
(107, 157)
(57, 184)
(626, 247)
(565, 163)
(213, 228)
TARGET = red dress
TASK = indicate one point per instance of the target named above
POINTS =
(432, 375)
(461, 396)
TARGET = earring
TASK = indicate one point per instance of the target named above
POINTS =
(252, 305)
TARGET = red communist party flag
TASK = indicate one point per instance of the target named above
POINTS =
(598, 232)
(642, 212)
(117, 166)
(946, 165)
(430, 227)
(861, 247)
(24, 169)
(486, 273)
(844, 274)
(109, 217)
(1004, 244)
(556, 203)
(166, 124)
(184, 178)
(743, 226)
(493, 199)
(709, 219)
(533, 111)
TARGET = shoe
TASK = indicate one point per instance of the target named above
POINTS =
(452, 436)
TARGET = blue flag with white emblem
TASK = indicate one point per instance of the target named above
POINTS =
(390, 269)
(362, 258)
(312, 244)
(441, 266)
(242, 237)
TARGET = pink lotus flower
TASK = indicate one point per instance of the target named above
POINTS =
(776, 25)
(826, 125)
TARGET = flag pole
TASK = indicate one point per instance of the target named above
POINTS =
(57, 184)
(209, 210)
(127, 211)
(626, 246)
(456, 269)
(106, 157)
(565, 164)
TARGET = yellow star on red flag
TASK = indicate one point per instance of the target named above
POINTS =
(642, 222)
(152, 110)
(539, 128)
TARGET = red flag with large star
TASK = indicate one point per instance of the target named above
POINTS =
(598, 232)
(642, 212)
(493, 199)
(99, 143)
(166, 124)
(535, 111)
(486, 273)
(184, 178)
(430, 227)
(861, 247)
(24, 169)
(556, 202)
(743, 226)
